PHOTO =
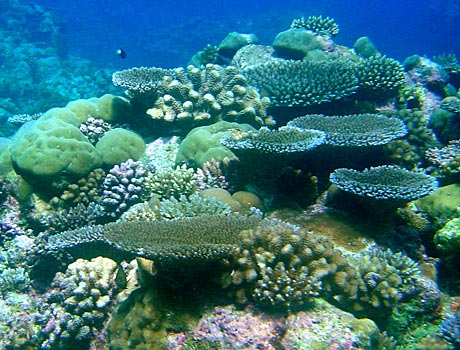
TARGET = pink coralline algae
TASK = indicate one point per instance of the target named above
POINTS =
(238, 329)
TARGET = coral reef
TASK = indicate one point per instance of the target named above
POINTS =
(202, 144)
(299, 83)
(177, 182)
(353, 130)
(446, 160)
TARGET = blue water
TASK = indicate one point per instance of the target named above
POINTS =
(167, 33)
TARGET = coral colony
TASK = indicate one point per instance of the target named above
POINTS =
(295, 197)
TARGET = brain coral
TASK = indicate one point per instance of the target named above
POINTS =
(384, 182)
(302, 83)
(353, 130)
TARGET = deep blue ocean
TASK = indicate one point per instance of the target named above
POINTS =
(168, 33)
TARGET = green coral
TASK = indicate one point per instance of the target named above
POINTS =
(379, 77)
(302, 83)
(353, 130)
(202, 144)
(286, 139)
(119, 145)
(317, 24)
(53, 146)
(447, 239)
(177, 182)
(196, 205)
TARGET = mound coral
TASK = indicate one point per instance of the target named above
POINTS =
(353, 130)
(202, 144)
(302, 83)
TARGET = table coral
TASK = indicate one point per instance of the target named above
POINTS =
(353, 130)
(302, 83)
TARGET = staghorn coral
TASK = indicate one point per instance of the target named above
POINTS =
(317, 24)
(122, 187)
(282, 266)
(353, 130)
(302, 83)
(197, 96)
(379, 77)
(384, 182)
(187, 240)
(175, 182)
(286, 139)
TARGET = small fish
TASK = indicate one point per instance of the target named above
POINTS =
(121, 53)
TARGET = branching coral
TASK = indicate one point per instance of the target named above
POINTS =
(167, 183)
(286, 139)
(196, 96)
(281, 266)
(380, 77)
(353, 130)
(122, 187)
(384, 182)
(317, 24)
(302, 83)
